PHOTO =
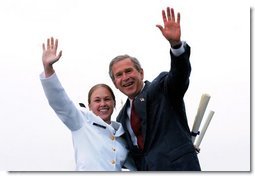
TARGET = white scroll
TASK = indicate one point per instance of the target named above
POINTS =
(199, 116)
(202, 133)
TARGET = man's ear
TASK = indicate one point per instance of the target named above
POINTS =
(142, 73)
(115, 84)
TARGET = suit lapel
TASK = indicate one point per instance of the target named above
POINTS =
(122, 117)
(140, 106)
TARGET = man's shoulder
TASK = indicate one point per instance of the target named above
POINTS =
(158, 79)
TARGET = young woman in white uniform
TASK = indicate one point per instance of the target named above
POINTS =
(97, 141)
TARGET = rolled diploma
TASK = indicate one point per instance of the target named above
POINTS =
(200, 113)
(208, 120)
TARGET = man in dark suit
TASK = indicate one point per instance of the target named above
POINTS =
(162, 141)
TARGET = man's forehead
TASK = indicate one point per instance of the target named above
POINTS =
(123, 64)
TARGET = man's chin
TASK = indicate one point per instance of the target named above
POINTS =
(128, 92)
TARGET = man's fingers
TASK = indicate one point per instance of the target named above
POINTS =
(43, 47)
(168, 13)
(59, 55)
(172, 14)
(164, 16)
(160, 27)
(178, 18)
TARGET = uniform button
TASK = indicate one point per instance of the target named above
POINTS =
(112, 138)
(113, 162)
(114, 149)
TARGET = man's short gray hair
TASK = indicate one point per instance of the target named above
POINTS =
(135, 61)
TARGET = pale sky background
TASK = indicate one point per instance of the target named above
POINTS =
(91, 33)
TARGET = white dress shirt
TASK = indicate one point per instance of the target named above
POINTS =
(98, 146)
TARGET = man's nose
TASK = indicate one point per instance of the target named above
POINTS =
(125, 76)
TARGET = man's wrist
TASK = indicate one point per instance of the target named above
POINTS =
(176, 45)
(179, 50)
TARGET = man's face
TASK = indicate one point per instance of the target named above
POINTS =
(127, 78)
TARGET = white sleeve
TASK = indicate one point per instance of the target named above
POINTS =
(179, 51)
(60, 102)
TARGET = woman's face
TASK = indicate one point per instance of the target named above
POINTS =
(102, 103)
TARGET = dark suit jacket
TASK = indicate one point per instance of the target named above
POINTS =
(160, 105)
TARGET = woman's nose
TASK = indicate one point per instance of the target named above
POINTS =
(102, 102)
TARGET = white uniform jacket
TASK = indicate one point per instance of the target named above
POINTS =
(98, 146)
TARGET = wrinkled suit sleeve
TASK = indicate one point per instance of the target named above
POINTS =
(180, 69)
